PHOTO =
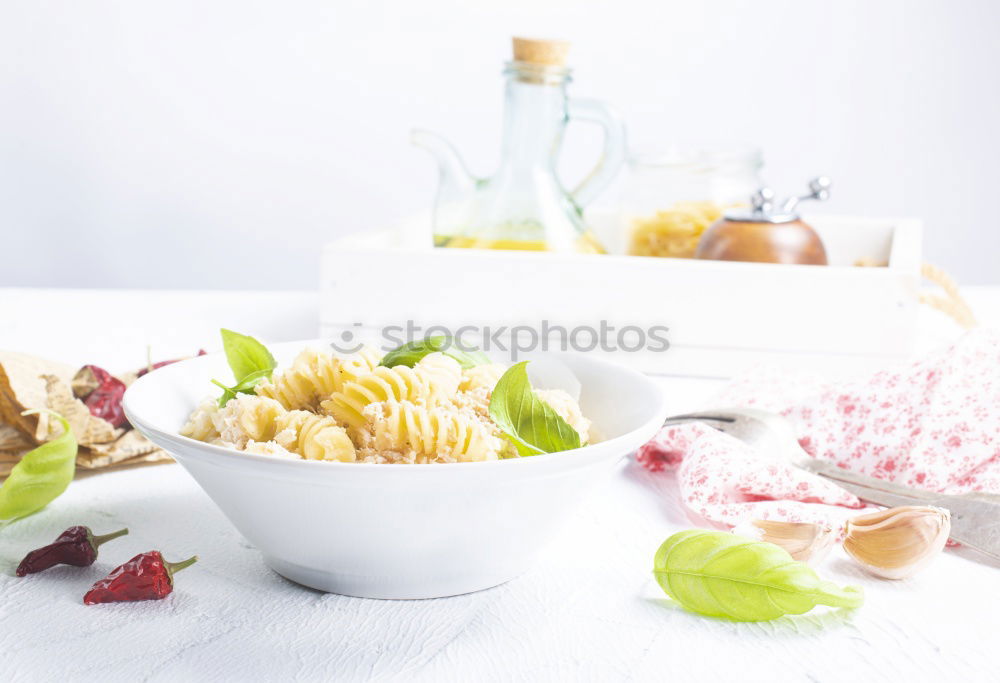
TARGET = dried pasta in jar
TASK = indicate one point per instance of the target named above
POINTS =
(673, 232)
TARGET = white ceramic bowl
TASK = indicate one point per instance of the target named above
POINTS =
(397, 531)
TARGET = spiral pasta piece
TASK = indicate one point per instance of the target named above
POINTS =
(443, 371)
(201, 423)
(431, 434)
(314, 437)
(314, 375)
(434, 379)
(248, 418)
(248, 421)
(481, 376)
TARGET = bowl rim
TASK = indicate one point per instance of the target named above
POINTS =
(157, 435)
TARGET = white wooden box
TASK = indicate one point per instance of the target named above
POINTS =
(722, 316)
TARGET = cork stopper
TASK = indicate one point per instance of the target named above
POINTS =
(543, 52)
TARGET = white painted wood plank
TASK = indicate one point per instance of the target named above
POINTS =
(727, 316)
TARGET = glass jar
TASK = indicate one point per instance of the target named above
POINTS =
(670, 198)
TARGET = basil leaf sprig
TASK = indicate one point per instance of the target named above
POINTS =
(250, 362)
(244, 386)
(245, 354)
(526, 420)
(719, 574)
(41, 475)
(410, 353)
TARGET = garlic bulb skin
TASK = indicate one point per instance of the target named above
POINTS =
(896, 543)
(805, 542)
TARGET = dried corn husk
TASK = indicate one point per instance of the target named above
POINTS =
(30, 383)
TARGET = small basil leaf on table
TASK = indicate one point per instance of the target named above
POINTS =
(719, 574)
(250, 362)
(40, 476)
(410, 353)
(526, 420)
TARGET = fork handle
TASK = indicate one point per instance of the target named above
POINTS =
(871, 485)
(695, 417)
(875, 495)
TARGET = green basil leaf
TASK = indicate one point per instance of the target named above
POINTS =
(246, 355)
(410, 353)
(40, 476)
(228, 393)
(719, 574)
(250, 362)
(529, 422)
(245, 386)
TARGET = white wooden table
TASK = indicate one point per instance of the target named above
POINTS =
(589, 611)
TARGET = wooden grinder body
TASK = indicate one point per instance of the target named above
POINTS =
(762, 242)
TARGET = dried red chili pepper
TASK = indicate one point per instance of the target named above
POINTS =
(76, 546)
(101, 392)
(106, 402)
(88, 378)
(154, 366)
(146, 576)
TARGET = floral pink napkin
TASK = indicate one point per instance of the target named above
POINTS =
(934, 424)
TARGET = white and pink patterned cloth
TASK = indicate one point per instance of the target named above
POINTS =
(934, 424)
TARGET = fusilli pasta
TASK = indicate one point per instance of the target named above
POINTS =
(201, 423)
(315, 375)
(421, 434)
(435, 378)
(352, 409)
(481, 376)
(249, 420)
(314, 437)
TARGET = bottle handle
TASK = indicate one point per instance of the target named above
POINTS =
(613, 154)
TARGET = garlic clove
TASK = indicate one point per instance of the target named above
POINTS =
(897, 542)
(805, 542)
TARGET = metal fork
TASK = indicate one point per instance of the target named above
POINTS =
(975, 517)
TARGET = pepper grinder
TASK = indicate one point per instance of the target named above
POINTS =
(764, 234)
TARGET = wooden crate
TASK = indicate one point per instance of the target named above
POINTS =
(722, 316)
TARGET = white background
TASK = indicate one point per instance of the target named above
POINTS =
(218, 144)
